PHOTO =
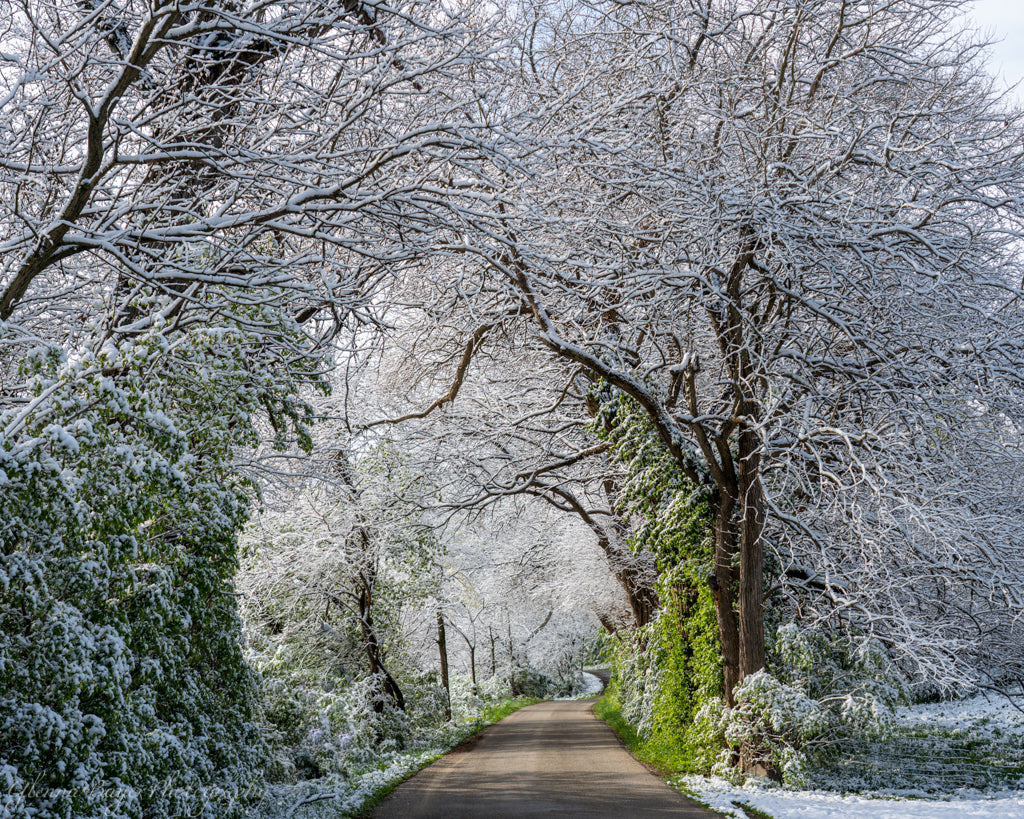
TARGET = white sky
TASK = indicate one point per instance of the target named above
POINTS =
(1004, 20)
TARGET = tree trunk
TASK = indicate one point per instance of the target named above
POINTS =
(472, 668)
(442, 647)
(739, 484)
(628, 570)
(494, 664)
(721, 582)
(373, 653)
(751, 586)
(636, 579)
(511, 664)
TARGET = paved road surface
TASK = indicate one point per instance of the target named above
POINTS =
(550, 759)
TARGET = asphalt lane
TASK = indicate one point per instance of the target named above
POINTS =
(550, 759)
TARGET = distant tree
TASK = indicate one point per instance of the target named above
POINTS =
(326, 581)
(494, 418)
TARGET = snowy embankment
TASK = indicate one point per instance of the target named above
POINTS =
(981, 719)
(780, 804)
(588, 686)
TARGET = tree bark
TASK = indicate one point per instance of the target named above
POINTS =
(751, 585)
(442, 647)
(494, 664)
(511, 663)
(721, 582)
(373, 652)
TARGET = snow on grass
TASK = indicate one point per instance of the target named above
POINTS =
(724, 797)
(355, 788)
(984, 716)
(592, 685)
(587, 686)
(339, 794)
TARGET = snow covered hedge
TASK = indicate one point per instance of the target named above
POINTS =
(123, 689)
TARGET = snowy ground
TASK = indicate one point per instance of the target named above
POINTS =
(989, 715)
(780, 804)
(994, 717)
(592, 685)
(588, 686)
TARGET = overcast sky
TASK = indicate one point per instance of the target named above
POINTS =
(1004, 19)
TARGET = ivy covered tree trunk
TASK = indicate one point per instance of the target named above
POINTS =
(721, 582)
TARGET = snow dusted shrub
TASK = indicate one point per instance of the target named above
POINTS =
(824, 689)
(356, 727)
(773, 723)
(638, 680)
(123, 691)
(529, 682)
(851, 672)
(425, 706)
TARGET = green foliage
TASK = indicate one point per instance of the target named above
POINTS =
(598, 650)
(672, 514)
(666, 671)
(531, 683)
(123, 690)
(667, 682)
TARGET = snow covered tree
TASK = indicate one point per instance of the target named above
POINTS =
(194, 197)
(326, 581)
(787, 229)
(518, 432)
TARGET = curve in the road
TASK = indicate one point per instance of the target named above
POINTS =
(550, 759)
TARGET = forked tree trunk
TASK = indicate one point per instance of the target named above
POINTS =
(738, 478)
(371, 643)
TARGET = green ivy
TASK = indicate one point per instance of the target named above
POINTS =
(665, 672)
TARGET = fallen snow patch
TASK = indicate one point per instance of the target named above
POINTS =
(592, 685)
(722, 796)
(988, 716)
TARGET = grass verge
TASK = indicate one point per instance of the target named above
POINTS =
(664, 760)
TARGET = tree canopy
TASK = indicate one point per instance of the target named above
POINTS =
(733, 285)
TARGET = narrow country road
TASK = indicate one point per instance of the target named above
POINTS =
(550, 759)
